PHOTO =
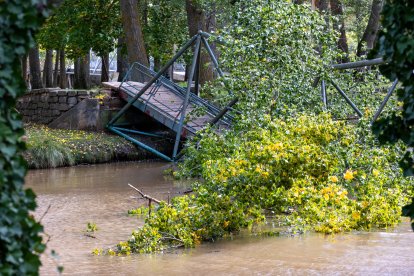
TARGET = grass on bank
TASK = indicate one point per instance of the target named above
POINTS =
(51, 148)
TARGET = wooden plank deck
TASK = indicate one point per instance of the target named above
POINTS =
(162, 104)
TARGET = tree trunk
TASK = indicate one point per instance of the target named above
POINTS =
(105, 68)
(48, 69)
(62, 73)
(81, 78)
(55, 71)
(24, 68)
(121, 60)
(35, 73)
(322, 6)
(369, 37)
(198, 20)
(157, 64)
(133, 36)
(337, 10)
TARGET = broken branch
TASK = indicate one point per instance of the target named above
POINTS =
(144, 195)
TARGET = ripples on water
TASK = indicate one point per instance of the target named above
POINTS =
(100, 194)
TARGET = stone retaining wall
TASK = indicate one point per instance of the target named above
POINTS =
(56, 107)
(44, 105)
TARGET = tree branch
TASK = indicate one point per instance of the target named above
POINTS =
(144, 195)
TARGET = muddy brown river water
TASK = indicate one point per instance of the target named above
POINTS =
(100, 194)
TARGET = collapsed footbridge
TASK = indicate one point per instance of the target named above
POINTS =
(175, 107)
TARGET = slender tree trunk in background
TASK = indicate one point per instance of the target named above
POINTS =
(133, 36)
(370, 34)
(323, 6)
(198, 20)
(62, 66)
(313, 4)
(81, 79)
(24, 68)
(121, 59)
(76, 73)
(48, 69)
(105, 68)
(337, 10)
(34, 64)
(55, 70)
(157, 64)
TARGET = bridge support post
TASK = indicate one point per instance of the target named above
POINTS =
(348, 100)
(378, 113)
(324, 98)
(187, 95)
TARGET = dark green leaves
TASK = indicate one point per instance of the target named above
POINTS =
(20, 243)
(396, 45)
(408, 211)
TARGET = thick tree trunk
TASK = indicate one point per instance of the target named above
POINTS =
(35, 73)
(337, 10)
(198, 20)
(62, 66)
(121, 60)
(48, 69)
(133, 36)
(370, 34)
(81, 78)
(105, 68)
(56, 69)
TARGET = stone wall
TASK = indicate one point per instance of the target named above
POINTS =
(45, 105)
(79, 109)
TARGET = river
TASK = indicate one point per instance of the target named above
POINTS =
(69, 198)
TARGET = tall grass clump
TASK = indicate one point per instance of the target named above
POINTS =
(49, 154)
(51, 148)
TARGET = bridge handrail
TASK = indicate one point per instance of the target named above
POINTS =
(179, 91)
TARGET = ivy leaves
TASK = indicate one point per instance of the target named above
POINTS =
(396, 45)
(20, 242)
(276, 51)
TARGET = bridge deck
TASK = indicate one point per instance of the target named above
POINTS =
(165, 104)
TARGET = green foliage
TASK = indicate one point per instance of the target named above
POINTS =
(50, 148)
(308, 172)
(20, 243)
(397, 48)
(186, 222)
(275, 52)
(80, 25)
(91, 227)
(166, 26)
(329, 176)
(140, 211)
(395, 44)
(303, 170)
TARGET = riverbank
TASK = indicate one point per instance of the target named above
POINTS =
(51, 148)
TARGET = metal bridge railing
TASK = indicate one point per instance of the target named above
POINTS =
(356, 65)
(144, 74)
